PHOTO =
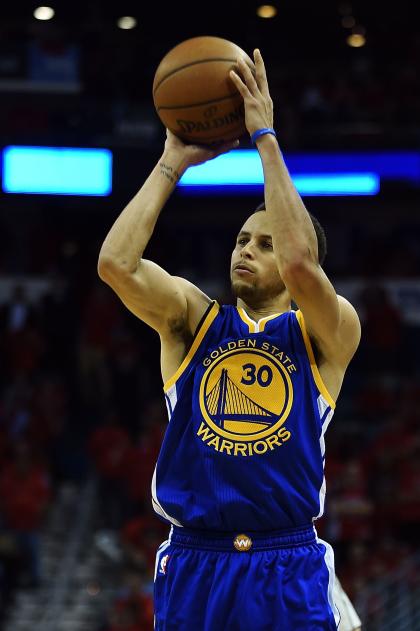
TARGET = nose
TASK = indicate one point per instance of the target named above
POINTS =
(248, 250)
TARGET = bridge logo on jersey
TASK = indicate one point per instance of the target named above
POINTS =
(246, 395)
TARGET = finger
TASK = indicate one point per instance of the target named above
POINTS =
(261, 73)
(248, 76)
(242, 88)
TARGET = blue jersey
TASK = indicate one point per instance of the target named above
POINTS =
(248, 410)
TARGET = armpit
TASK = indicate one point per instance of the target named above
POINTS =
(178, 329)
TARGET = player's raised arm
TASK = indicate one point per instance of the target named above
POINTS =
(146, 289)
(330, 320)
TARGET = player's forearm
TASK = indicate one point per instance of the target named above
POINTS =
(294, 237)
(126, 241)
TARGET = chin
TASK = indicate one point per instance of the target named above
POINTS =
(254, 294)
(243, 290)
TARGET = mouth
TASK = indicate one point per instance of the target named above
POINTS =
(243, 269)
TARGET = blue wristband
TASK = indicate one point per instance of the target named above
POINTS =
(261, 132)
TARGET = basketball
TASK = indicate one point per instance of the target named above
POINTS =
(193, 94)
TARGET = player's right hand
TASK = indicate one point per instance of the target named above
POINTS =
(196, 154)
(255, 92)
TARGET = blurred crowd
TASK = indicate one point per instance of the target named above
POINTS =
(76, 400)
(100, 89)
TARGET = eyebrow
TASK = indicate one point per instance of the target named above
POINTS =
(244, 233)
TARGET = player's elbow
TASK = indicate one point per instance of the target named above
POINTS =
(103, 268)
(110, 268)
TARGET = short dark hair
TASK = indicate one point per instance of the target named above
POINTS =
(319, 231)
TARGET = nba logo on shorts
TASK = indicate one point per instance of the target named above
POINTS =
(163, 563)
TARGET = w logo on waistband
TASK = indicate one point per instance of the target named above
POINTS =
(242, 543)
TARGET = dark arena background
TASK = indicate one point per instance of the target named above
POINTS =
(82, 411)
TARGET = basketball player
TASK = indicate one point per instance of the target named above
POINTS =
(250, 391)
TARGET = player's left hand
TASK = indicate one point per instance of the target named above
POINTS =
(191, 154)
(255, 92)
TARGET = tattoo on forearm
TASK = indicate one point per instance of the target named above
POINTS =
(171, 174)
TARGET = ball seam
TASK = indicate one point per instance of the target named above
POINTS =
(184, 107)
(192, 63)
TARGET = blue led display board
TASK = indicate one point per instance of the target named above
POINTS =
(57, 171)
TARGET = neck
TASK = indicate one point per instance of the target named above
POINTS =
(278, 304)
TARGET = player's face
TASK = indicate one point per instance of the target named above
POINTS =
(253, 271)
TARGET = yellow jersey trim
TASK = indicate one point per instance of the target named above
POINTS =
(198, 338)
(263, 321)
(255, 327)
(315, 371)
(251, 324)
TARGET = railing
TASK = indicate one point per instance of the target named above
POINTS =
(392, 602)
(62, 582)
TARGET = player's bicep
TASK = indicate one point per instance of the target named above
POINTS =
(329, 319)
(310, 288)
(150, 293)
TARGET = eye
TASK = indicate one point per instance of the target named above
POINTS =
(242, 241)
(267, 245)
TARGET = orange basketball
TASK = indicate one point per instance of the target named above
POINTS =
(194, 95)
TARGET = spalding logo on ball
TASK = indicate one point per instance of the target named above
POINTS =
(194, 95)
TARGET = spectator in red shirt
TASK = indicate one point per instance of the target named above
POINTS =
(383, 331)
(100, 318)
(140, 538)
(24, 497)
(133, 608)
(142, 456)
(352, 507)
(109, 447)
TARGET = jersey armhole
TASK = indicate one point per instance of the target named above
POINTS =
(315, 371)
(202, 328)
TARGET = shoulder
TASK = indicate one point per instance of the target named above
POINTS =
(349, 331)
(198, 303)
(349, 318)
(196, 298)
(346, 340)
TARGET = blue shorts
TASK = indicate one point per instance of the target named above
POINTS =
(277, 581)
